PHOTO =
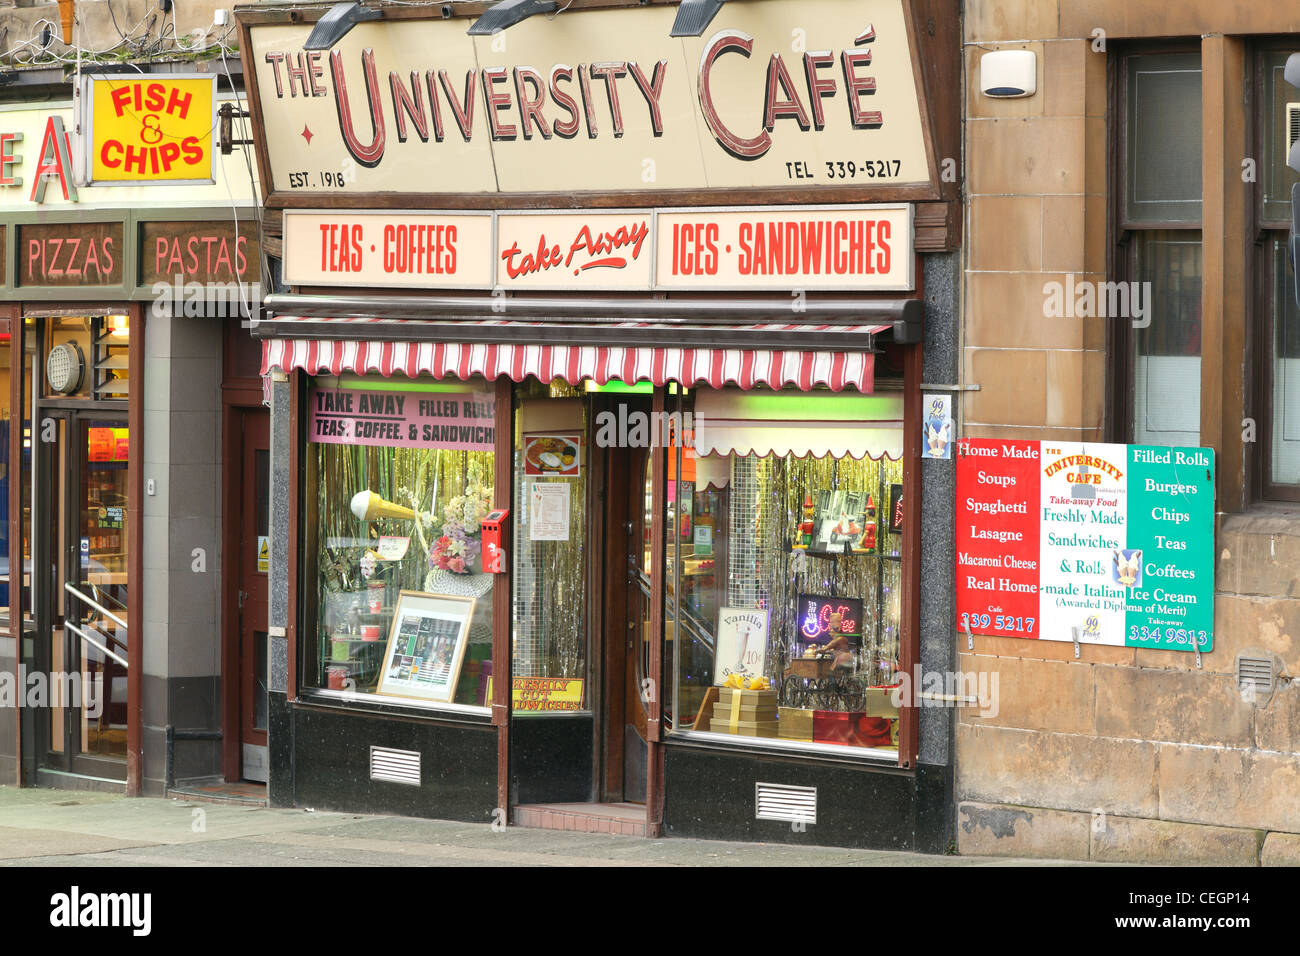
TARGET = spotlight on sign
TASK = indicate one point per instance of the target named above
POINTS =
(507, 14)
(332, 27)
(693, 16)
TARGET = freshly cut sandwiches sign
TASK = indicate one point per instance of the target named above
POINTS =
(778, 93)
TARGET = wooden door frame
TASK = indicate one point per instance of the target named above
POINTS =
(502, 588)
(11, 318)
(654, 781)
(610, 707)
(237, 399)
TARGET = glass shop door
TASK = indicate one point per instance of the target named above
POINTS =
(82, 637)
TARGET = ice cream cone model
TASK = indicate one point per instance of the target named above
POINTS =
(368, 506)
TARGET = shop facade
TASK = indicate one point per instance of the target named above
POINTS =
(596, 416)
(122, 304)
(1121, 752)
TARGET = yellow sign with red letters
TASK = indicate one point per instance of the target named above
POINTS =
(149, 128)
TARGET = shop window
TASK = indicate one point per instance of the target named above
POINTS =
(784, 568)
(399, 476)
(1284, 422)
(1154, 299)
(1164, 138)
(1278, 324)
(87, 357)
(1167, 359)
(552, 468)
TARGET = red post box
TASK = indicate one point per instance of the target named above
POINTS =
(494, 552)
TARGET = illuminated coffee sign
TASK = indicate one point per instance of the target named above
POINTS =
(814, 93)
(815, 248)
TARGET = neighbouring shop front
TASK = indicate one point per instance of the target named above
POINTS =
(596, 416)
(120, 311)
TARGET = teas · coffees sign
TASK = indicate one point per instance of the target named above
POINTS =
(807, 94)
(858, 248)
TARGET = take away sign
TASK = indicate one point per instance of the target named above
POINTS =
(148, 129)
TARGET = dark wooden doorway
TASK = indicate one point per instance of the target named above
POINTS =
(245, 664)
(626, 632)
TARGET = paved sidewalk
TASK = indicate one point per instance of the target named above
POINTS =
(78, 828)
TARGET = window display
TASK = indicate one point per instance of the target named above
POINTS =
(403, 475)
(787, 625)
(550, 559)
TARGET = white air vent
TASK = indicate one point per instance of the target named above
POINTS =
(1255, 677)
(397, 766)
(1292, 127)
(778, 801)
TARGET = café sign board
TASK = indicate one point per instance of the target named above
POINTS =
(821, 248)
(1094, 543)
(803, 94)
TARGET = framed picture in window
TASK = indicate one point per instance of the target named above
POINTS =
(426, 646)
(840, 523)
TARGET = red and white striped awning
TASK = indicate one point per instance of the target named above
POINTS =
(744, 367)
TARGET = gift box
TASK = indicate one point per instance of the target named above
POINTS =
(745, 712)
(878, 731)
(795, 723)
(745, 728)
(879, 702)
(749, 704)
(751, 698)
(854, 729)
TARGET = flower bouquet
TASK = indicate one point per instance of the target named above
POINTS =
(459, 548)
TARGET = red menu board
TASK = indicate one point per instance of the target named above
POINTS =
(998, 537)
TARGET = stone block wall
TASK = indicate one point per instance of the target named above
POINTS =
(1125, 754)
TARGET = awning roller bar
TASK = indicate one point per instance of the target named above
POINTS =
(904, 315)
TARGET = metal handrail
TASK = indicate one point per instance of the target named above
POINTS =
(96, 605)
(90, 640)
(102, 595)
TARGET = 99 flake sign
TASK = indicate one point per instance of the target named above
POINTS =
(1104, 544)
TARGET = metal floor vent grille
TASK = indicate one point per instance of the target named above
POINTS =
(779, 801)
(1255, 676)
(396, 766)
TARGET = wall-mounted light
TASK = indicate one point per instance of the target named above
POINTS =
(118, 326)
(693, 16)
(507, 14)
(341, 18)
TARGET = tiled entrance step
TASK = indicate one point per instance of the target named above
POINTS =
(243, 794)
(623, 818)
